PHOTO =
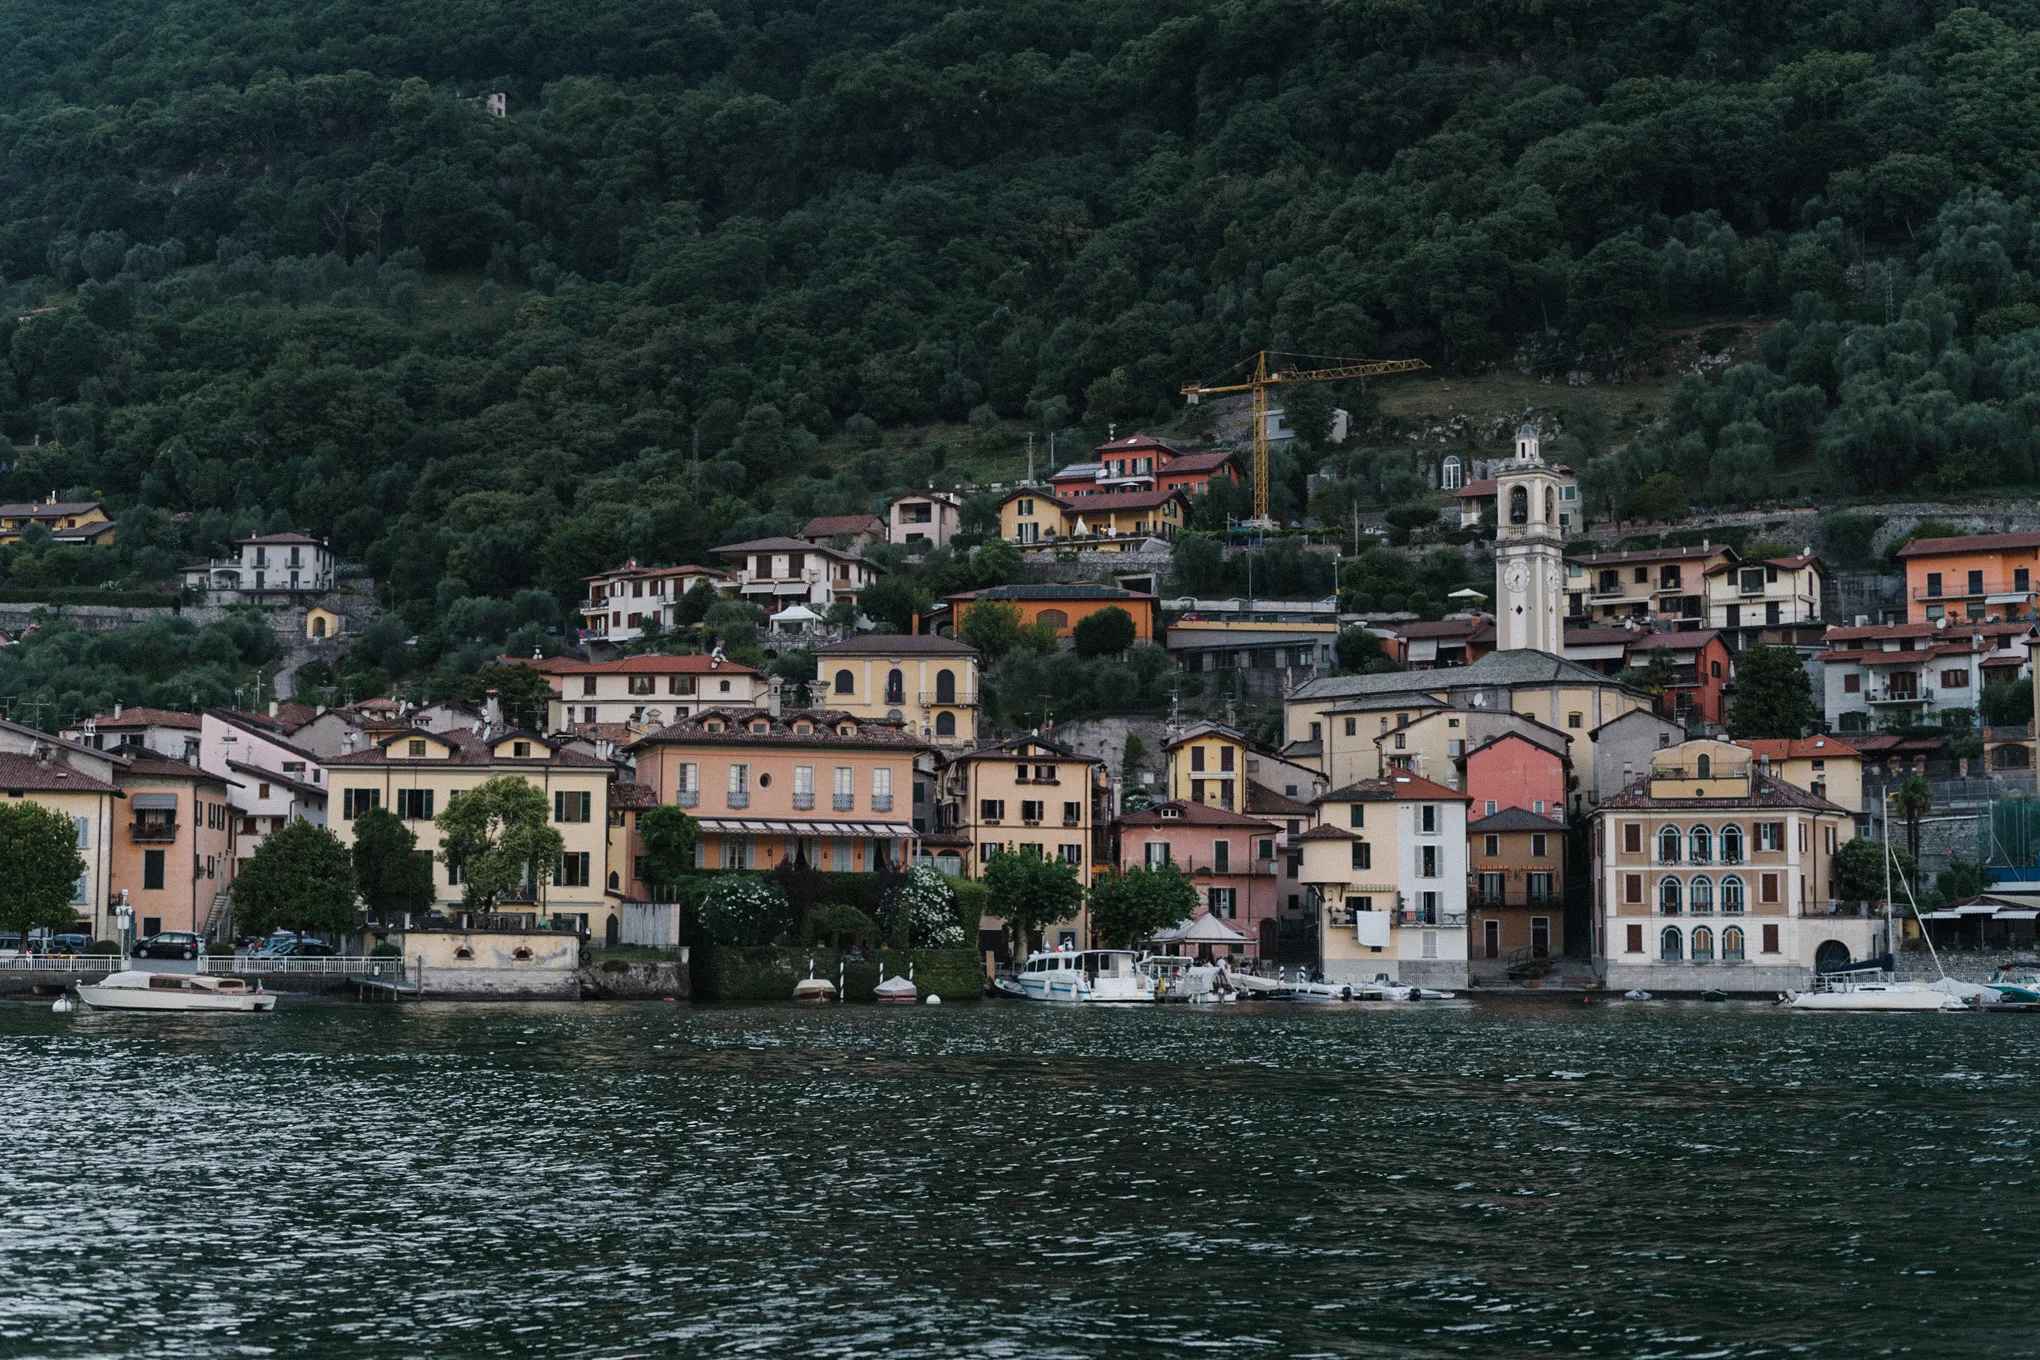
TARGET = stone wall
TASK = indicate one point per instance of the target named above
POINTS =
(1105, 738)
(637, 979)
(1867, 594)
(96, 618)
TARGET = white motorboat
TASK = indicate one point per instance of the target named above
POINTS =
(1178, 978)
(1253, 987)
(1081, 976)
(1869, 990)
(139, 991)
(1320, 992)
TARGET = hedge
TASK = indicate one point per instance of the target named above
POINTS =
(768, 972)
(59, 595)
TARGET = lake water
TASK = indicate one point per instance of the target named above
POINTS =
(1449, 1180)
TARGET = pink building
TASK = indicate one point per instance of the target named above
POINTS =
(1231, 859)
(1513, 771)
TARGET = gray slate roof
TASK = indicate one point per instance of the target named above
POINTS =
(1517, 667)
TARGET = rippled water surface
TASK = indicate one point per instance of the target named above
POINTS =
(1633, 1180)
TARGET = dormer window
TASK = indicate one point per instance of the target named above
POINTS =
(761, 727)
(714, 724)
(414, 748)
(846, 729)
(803, 729)
(520, 750)
(1172, 813)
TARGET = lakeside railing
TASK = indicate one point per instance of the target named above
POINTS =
(338, 965)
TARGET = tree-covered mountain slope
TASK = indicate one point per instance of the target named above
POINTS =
(271, 263)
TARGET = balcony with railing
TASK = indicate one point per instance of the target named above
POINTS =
(881, 802)
(803, 802)
(935, 700)
(1438, 917)
(687, 797)
(1896, 694)
(844, 802)
(740, 798)
(153, 830)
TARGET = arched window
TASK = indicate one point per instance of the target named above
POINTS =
(1700, 895)
(945, 687)
(945, 724)
(1703, 945)
(1668, 845)
(845, 682)
(1731, 945)
(1668, 896)
(1731, 844)
(1705, 765)
(1550, 505)
(1519, 505)
(895, 687)
(1701, 846)
(1731, 896)
(1670, 948)
(1054, 618)
(1450, 479)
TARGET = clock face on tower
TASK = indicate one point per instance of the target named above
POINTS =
(1516, 578)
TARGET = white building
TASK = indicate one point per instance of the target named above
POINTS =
(1882, 675)
(776, 572)
(925, 519)
(1529, 552)
(622, 603)
(269, 569)
(1386, 868)
(271, 781)
(644, 692)
(1775, 599)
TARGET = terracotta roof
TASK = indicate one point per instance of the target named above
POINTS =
(1268, 803)
(1405, 787)
(271, 776)
(1204, 728)
(1199, 462)
(470, 751)
(1129, 442)
(828, 526)
(47, 509)
(1010, 749)
(659, 664)
(1485, 486)
(786, 545)
(1599, 637)
(601, 731)
(1690, 641)
(1929, 547)
(1123, 500)
(902, 644)
(631, 571)
(625, 796)
(280, 538)
(1616, 559)
(1792, 563)
(158, 767)
(148, 717)
(1799, 748)
(1328, 832)
(24, 773)
(737, 724)
(1187, 813)
(1442, 628)
(1768, 792)
(1513, 819)
(1050, 592)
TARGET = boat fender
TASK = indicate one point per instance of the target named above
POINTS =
(934, 1000)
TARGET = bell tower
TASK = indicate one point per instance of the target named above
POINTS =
(1529, 551)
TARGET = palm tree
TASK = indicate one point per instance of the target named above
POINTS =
(1913, 801)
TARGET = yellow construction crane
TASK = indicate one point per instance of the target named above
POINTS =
(1269, 372)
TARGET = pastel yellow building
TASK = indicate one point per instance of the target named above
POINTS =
(1826, 767)
(1033, 516)
(416, 774)
(1208, 765)
(78, 782)
(929, 683)
(1029, 795)
(81, 522)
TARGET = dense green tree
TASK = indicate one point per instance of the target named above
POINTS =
(1029, 892)
(1859, 870)
(497, 836)
(991, 626)
(392, 875)
(1104, 632)
(665, 838)
(39, 868)
(1773, 696)
(300, 878)
(1128, 908)
(523, 693)
(2007, 703)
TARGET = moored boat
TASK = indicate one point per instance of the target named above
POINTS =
(2020, 986)
(139, 991)
(1869, 989)
(897, 989)
(1080, 976)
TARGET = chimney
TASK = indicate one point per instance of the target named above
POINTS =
(116, 708)
(492, 708)
(272, 708)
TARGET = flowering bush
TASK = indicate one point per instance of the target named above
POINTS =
(740, 910)
(927, 907)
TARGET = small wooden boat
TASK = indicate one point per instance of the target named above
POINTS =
(814, 989)
(139, 991)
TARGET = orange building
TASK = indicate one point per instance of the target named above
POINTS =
(755, 780)
(1063, 607)
(173, 854)
(1980, 577)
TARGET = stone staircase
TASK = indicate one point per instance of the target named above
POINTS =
(217, 916)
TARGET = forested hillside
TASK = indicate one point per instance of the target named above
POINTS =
(271, 264)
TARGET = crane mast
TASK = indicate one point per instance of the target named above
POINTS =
(1263, 376)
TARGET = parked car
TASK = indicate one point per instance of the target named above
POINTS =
(68, 944)
(293, 947)
(171, 944)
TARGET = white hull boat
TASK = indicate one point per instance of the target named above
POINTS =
(1081, 977)
(139, 991)
(897, 989)
(1840, 992)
